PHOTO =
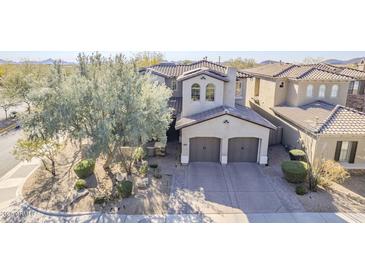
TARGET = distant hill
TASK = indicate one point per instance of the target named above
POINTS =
(266, 62)
(344, 62)
(48, 61)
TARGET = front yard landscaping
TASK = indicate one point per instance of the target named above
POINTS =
(103, 190)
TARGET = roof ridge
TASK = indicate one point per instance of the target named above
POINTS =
(333, 112)
(306, 73)
(285, 70)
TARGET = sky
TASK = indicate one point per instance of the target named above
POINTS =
(259, 56)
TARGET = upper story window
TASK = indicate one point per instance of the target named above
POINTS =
(356, 85)
(195, 92)
(173, 84)
(334, 91)
(309, 90)
(239, 89)
(209, 92)
(322, 91)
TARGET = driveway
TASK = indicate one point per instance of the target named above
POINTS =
(234, 188)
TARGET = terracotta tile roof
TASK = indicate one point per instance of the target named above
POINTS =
(271, 70)
(307, 72)
(323, 118)
(344, 120)
(203, 70)
(355, 73)
(173, 70)
(238, 111)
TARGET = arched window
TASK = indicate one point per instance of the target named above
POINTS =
(209, 92)
(195, 92)
(334, 91)
(322, 91)
(309, 90)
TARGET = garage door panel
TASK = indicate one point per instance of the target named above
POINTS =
(204, 149)
(242, 149)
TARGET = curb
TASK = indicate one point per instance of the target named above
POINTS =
(7, 129)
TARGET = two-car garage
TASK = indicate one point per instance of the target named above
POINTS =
(224, 135)
(207, 149)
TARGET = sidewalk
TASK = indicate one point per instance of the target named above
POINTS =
(16, 210)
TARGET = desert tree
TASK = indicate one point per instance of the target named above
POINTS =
(44, 149)
(6, 102)
(106, 103)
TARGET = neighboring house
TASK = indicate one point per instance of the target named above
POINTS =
(309, 103)
(210, 118)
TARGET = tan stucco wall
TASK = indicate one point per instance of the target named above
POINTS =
(216, 128)
(270, 92)
(326, 147)
(300, 98)
(294, 93)
(190, 107)
(241, 101)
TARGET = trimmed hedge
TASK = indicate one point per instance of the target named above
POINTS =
(297, 155)
(80, 184)
(125, 189)
(84, 168)
(295, 171)
(301, 190)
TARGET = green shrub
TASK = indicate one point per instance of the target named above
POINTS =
(143, 169)
(100, 199)
(153, 165)
(80, 184)
(125, 189)
(297, 155)
(84, 168)
(295, 171)
(301, 190)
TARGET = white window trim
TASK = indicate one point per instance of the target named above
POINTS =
(324, 91)
(332, 91)
(208, 101)
(309, 95)
(345, 158)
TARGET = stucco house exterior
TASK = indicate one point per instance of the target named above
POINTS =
(310, 103)
(210, 118)
(224, 115)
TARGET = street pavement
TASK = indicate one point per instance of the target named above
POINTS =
(7, 159)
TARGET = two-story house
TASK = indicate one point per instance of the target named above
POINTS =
(309, 103)
(210, 119)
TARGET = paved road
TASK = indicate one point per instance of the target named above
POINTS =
(7, 142)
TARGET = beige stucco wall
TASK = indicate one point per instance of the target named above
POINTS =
(294, 93)
(270, 92)
(326, 147)
(190, 107)
(230, 87)
(300, 97)
(238, 100)
(216, 128)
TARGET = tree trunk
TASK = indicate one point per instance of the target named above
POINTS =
(53, 168)
(28, 107)
(109, 157)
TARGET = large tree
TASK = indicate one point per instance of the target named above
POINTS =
(107, 104)
(21, 83)
(148, 58)
(6, 101)
(240, 63)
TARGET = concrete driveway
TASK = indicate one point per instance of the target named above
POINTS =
(233, 188)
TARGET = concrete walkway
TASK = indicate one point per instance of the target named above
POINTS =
(16, 210)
